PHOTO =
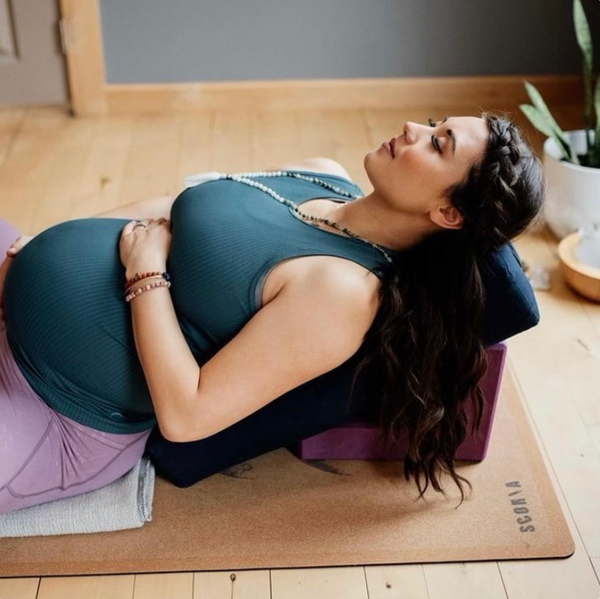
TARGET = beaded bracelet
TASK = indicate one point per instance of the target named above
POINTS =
(138, 276)
(147, 287)
(150, 278)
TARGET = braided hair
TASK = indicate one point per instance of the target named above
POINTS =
(423, 354)
(491, 197)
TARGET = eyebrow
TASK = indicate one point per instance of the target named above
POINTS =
(450, 135)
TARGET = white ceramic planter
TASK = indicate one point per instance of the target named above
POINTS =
(573, 194)
(588, 248)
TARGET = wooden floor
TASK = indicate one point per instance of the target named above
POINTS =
(54, 167)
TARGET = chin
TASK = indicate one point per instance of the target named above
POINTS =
(372, 165)
(370, 162)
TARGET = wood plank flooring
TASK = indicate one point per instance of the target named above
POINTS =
(54, 167)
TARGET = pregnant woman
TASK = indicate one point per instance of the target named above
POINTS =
(194, 313)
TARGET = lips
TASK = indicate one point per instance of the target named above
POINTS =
(389, 146)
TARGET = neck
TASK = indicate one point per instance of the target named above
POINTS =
(372, 219)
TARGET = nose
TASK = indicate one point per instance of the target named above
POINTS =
(411, 132)
(415, 131)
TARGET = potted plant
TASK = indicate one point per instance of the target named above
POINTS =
(572, 158)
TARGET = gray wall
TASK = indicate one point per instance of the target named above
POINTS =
(225, 40)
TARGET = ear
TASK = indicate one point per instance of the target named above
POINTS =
(447, 217)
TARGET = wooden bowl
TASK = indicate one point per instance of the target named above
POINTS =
(584, 279)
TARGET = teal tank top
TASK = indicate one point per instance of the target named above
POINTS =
(70, 329)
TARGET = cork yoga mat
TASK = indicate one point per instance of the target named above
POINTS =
(277, 511)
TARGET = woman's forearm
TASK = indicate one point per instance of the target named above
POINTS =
(170, 369)
(149, 208)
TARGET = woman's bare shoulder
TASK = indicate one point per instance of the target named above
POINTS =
(317, 165)
(311, 270)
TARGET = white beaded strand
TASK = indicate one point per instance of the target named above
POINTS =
(247, 179)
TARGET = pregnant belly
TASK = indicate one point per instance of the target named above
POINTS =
(65, 315)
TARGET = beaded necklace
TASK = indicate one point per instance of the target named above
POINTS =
(247, 179)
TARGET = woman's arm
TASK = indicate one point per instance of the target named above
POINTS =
(158, 207)
(310, 328)
(314, 324)
(153, 208)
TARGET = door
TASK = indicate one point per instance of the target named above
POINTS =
(32, 66)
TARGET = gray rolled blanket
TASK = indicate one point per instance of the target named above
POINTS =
(126, 503)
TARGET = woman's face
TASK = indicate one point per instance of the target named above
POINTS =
(413, 172)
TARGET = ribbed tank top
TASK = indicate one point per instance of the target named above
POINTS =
(70, 329)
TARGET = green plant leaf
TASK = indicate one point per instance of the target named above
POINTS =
(582, 32)
(540, 105)
(540, 121)
(588, 104)
(538, 102)
(584, 39)
(537, 119)
(595, 157)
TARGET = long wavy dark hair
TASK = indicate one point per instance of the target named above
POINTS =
(424, 353)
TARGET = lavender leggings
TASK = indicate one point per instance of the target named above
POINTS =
(44, 455)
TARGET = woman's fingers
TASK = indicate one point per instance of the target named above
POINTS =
(157, 222)
(17, 245)
(143, 225)
(14, 247)
(143, 243)
(132, 225)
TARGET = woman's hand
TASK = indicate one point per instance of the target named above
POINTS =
(11, 252)
(18, 245)
(144, 245)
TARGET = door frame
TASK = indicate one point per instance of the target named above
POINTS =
(82, 41)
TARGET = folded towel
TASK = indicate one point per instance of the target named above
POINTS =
(126, 503)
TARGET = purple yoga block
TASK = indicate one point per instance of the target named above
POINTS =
(360, 440)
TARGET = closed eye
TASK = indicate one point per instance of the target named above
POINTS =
(434, 140)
